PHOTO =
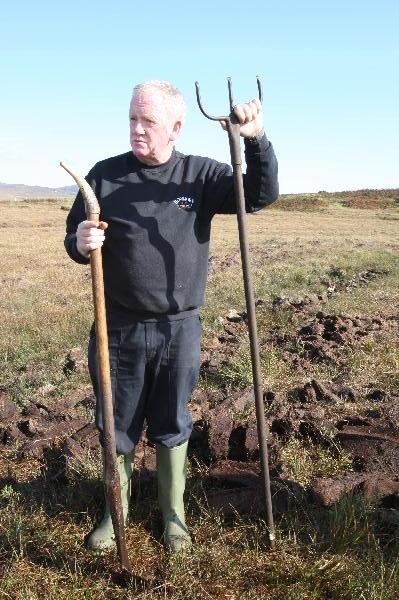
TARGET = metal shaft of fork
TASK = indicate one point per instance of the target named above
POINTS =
(233, 130)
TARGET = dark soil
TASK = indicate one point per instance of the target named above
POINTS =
(325, 337)
(225, 437)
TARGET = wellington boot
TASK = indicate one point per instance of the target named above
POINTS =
(102, 537)
(171, 472)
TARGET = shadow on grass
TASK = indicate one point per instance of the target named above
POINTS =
(44, 519)
(55, 492)
(47, 519)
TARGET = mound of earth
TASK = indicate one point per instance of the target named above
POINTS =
(369, 202)
(333, 286)
(225, 436)
(306, 203)
(323, 338)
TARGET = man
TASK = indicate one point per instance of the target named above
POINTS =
(156, 209)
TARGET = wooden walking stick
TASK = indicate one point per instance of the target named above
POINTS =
(233, 131)
(112, 483)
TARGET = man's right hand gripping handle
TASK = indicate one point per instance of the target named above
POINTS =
(89, 236)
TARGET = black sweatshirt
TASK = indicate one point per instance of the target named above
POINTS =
(155, 254)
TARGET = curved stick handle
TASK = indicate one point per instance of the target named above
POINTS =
(90, 200)
(112, 482)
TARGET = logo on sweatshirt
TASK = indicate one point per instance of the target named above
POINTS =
(184, 202)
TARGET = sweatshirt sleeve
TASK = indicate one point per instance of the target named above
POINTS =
(76, 215)
(260, 180)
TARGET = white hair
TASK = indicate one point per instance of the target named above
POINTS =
(172, 97)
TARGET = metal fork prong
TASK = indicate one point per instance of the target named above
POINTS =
(260, 92)
(223, 118)
(229, 85)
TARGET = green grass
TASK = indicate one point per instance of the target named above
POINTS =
(305, 461)
(376, 363)
(302, 202)
(349, 552)
(344, 553)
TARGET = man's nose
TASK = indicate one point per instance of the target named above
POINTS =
(138, 127)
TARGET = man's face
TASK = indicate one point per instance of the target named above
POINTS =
(152, 128)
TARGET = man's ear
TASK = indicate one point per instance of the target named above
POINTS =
(175, 131)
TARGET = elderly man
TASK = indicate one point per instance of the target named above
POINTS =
(156, 209)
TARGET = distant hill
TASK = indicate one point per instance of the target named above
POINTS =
(19, 191)
(363, 199)
(380, 198)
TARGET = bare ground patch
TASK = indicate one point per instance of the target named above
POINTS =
(330, 399)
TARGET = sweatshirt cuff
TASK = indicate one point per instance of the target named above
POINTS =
(256, 144)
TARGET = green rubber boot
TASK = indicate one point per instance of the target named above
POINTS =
(171, 472)
(102, 537)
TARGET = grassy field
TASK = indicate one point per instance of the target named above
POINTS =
(298, 250)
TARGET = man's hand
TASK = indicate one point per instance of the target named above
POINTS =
(250, 118)
(89, 236)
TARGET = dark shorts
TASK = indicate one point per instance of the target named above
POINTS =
(154, 369)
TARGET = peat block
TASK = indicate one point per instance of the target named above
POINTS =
(375, 488)
(8, 409)
(34, 447)
(239, 490)
(327, 491)
(374, 449)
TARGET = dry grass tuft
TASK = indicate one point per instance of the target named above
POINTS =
(349, 552)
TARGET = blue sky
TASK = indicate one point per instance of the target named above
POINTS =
(329, 72)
